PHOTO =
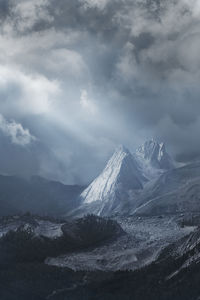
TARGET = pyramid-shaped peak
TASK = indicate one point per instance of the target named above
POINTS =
(120, 155)
(112, 186)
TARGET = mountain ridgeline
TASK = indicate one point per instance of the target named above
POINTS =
(36, 195)
(145, 183)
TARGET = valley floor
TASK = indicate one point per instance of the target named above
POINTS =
(146, 237)
(129, 266)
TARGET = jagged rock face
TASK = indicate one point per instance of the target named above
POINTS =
(155, 154)
(112, 187)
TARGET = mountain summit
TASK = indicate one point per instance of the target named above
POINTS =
(153, 159)
(155, 153)
(112, 188)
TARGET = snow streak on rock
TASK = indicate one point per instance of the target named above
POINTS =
(113, 186)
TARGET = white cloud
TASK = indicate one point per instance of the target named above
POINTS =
(26, 94)
(66, 61)
(100, 4)
(127, 67)
(15, 131)
(50, 53)
(86, 103)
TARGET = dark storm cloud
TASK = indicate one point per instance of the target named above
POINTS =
(5, 9)
(82, 76)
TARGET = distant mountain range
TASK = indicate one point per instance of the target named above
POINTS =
(36, 195)
(146, 182)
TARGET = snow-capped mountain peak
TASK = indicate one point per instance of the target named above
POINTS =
(155, 154)
(120, 176)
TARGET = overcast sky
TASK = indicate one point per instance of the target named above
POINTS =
(79, 77)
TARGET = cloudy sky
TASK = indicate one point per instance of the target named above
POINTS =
(79, 77)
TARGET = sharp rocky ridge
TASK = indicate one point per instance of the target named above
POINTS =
(112, 187)
(155, 154)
